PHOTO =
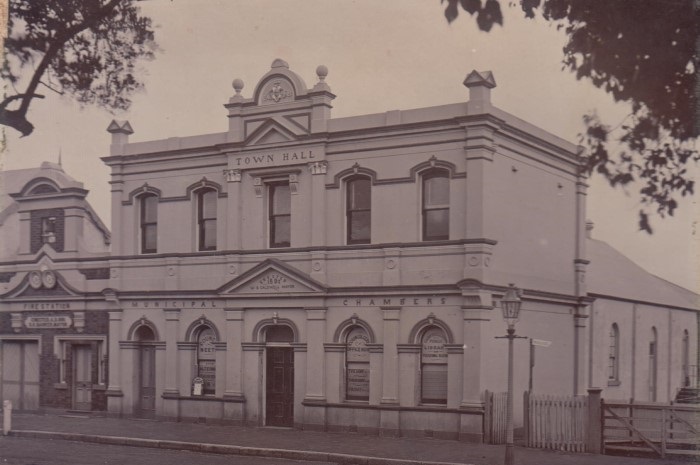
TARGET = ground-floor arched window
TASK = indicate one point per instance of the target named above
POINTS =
(357, 364)
(206, 358)
(433, 366)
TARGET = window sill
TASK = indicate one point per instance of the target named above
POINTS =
(60, 386)
(614, 382)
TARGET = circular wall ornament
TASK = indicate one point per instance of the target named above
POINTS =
(473, 261)
(171, 271)
(232, 269)
(317, 266)
(48, 278)
(391, 264)
(35, 279)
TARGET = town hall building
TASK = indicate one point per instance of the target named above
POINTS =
(345, 274)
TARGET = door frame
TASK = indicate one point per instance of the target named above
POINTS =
(277, 345)
(21, 338)
(139, 411)
(74, 369)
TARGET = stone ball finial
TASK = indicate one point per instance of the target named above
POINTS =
(237, 85)
(321, 72)
(279, 63)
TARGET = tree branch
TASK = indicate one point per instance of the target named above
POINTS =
(59, 41)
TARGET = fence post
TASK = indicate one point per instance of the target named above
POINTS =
(487, 416)
(6, 417)
(595, 422)
(526, 417)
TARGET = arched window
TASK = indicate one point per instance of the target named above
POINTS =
(436, 205)
(206, 219)
(148, 206)
(653, 362)
(357, 364)
(685, 359)
(358, 210)
(433, 360)
(614, 354)
(206, 357)
(279, 214)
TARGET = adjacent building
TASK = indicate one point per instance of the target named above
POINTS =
(53, 268)
(345, 273)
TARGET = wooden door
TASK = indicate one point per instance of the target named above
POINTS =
(279, 393)
(20, 374)
(147, 382)
(82, 377)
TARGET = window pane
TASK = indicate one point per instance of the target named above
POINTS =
(281, 201)
(359, 227)
(359, 194)
(150, 238)
(209, 234)
(208, 204)
(280, 235)
(149, 209)
(436, 191)
(434, 384)
(437, 224)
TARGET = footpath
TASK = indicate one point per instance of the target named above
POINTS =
(340, 448)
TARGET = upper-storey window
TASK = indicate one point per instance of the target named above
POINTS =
(149, 223)
(358, 210)
(206, 219)
(279, 214)
(436, 205)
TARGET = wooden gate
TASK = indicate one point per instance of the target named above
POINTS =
(495, 404)
(660, 429)
(556, 422)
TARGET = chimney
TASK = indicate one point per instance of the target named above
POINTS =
(120, 131)
(479, 84)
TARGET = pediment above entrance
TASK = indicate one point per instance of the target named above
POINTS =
(272, 277)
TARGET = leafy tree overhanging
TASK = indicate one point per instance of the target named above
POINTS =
(84, 48)
(643, 53)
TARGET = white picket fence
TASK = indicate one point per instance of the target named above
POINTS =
(556, 422)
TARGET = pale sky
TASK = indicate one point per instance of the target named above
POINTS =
(393, 54)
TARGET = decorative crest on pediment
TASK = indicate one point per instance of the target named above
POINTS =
(272, 277)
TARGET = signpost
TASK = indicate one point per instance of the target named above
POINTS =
(535, 343)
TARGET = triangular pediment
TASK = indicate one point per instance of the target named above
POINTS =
(272, 277)
(274, 130)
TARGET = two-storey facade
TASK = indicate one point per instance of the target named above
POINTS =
(341, 273)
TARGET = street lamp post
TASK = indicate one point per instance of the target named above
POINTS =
(510, 305)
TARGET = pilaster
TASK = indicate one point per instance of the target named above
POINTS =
(318, 171)
(233, 209)
(390, 368)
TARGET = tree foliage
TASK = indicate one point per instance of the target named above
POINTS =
(87, 49)
(643, 53)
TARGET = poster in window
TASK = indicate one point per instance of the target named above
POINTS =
(357, 349)
(358, 381)
(357, 357)
(207, 371)
(433, 350)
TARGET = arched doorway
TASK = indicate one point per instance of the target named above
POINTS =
(279, 376)
(146, 373)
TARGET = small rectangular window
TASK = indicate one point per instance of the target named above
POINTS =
(279, 211)
(436, 206)
(358, 211)
(149, 224)
(206, 219)
(48, 230)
